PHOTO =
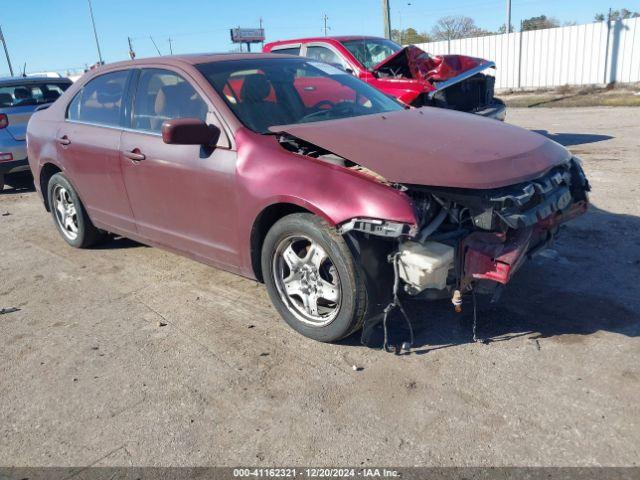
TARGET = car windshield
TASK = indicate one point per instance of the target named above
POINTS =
(24, 94)
(371, 51)
(280, 91)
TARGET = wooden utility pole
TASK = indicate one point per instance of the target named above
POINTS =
(386, 19)
(170, 46)
(507, 28)
(95, 32)
(6, 51)
(325, 18)
(132, 54)
(606, 50)
(261, 27)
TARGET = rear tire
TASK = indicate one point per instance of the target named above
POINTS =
(313, 279)
(69, 214)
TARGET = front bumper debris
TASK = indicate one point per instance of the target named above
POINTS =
(493, 232)
(497, 111)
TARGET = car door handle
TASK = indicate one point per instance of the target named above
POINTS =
(134, 155)
(64, 140)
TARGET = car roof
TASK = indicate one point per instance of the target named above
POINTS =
(192, 59)
(30, 80)
(337, 38)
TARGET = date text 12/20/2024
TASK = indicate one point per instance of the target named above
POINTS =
(314, 472)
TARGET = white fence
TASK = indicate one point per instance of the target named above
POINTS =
(592, 53)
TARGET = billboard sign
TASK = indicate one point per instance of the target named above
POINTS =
(247, 35)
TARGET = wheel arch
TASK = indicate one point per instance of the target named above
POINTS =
(47, 171)
(263, 222)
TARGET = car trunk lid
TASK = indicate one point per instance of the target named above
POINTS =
(18, 118)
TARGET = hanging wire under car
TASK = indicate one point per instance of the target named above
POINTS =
(395, 303)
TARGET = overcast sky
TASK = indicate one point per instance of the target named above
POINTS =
(56, 34)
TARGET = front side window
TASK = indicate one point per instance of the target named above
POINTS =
(263, 93)
(371, 51)
(25, 94)
(324, 54)
(163, 95)
(100, 101)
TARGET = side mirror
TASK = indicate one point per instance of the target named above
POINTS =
(189, 131)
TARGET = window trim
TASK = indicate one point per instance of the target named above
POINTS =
(226, 140)
(287, 46)
(134, 94)
(125, 88)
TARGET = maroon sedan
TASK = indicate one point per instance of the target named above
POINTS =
(295, 173)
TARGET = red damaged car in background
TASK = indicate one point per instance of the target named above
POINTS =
(410, 75)
(298, 174)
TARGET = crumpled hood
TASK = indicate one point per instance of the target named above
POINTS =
(432, 68)
(435, 147)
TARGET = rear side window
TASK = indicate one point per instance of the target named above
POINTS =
(100, 101)
(22, 95)
(163, 95)
(287, 51)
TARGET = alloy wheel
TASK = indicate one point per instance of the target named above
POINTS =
(307, 280)
(66, 213)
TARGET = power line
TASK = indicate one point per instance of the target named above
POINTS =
(154, 44)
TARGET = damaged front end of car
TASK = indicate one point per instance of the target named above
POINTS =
(480, 210)
(456, 82)
(476, 240)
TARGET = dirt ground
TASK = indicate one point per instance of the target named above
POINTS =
(89, 377)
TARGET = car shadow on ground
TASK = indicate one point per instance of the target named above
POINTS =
(116, 242)
(570, 139)
(20, 182)
(583, 284)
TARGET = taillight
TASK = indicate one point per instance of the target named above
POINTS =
(4, 121)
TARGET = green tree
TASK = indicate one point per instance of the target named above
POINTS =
(503, 28)
(539, 23)
(412, 36)
(409, 36)
(621, 14)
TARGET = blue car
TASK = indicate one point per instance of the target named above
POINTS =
(20, 97)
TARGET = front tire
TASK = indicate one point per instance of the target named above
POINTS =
(312, 278)
(69, 214)
(1, 182)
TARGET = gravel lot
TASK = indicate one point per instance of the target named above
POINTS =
(89, 377)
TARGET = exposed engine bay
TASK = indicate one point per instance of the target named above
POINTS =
(491, 232)
(466, 239)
